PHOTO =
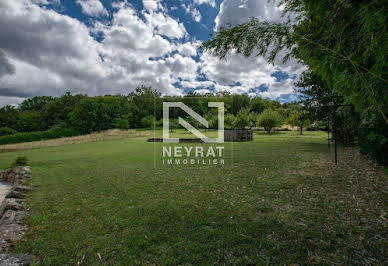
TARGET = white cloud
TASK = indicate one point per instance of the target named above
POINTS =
(203, 91)
(196, 15)
(93, 8)
(152, 5)
(188, 49)
(4, 100)
(46, 2)
(209, 2)
(181, 67)
(47, 53)
(6, 68)
(43, 52)
(239, 11)
(165, 25)
(197, 84)
(194, 12)
(238, 74)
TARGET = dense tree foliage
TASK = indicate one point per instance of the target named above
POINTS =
(142, 108)
(269, 119)
(298, 118)
(344, 44)
(4, 131)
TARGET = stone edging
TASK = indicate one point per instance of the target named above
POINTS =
(12, 213)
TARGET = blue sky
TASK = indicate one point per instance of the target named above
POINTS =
(48, 47)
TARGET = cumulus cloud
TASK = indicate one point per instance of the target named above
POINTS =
(196, 15)
(165, 25)
(239, 11)
(238, 74)
(152, 5)
(191, 10)
(5, 67)
(209, 2)
(188, 48)
(197, 84)
(181, 67)
(253, 71)
(46, 48)
(43, 52)
(4, 100)
(93, 8)
(53, 53)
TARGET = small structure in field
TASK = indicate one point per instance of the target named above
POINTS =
(229, 135)
(238, 134)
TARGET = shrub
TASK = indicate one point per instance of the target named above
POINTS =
(229, 121)
(213, 122)
(148, 121)
(20, 161)
(298, 119)
(122, 124)
(158, 123)
(242, 119)
(269, 119)
(174, 124)
(38, 135)
(373, 137)
(4, 131)
(59, 126)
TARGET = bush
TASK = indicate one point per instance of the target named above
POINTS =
(243, 119)
(229, 121)
(373, 137)
(59, 126)
(122, 124)
(37, 135)
(158, 123)
(4, 131)
(20, 161)
(298, 119)
(148, 121)
(269, 119)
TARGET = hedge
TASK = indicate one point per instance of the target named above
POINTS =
(37, 135)
(5, 131)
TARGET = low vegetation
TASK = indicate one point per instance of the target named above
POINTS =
(38, 135)
(269, 119)
(281, 201)
(20, 161)
(4, 131)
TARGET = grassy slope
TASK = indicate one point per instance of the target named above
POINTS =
(280, 202)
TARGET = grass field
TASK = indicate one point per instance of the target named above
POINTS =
(281, 201)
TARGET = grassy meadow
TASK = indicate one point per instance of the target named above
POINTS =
(281, 200)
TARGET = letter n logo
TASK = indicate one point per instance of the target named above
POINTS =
(196, 116)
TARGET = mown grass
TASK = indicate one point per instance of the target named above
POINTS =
(281, 201)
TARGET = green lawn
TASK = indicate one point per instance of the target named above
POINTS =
(281, 201)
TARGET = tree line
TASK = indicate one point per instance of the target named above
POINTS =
(142, 108)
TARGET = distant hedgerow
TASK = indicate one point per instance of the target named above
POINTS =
(4, 131)
(37, 135)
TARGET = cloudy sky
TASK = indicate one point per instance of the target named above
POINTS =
(49, 47)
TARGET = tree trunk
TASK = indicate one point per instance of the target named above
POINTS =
(301, 130)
